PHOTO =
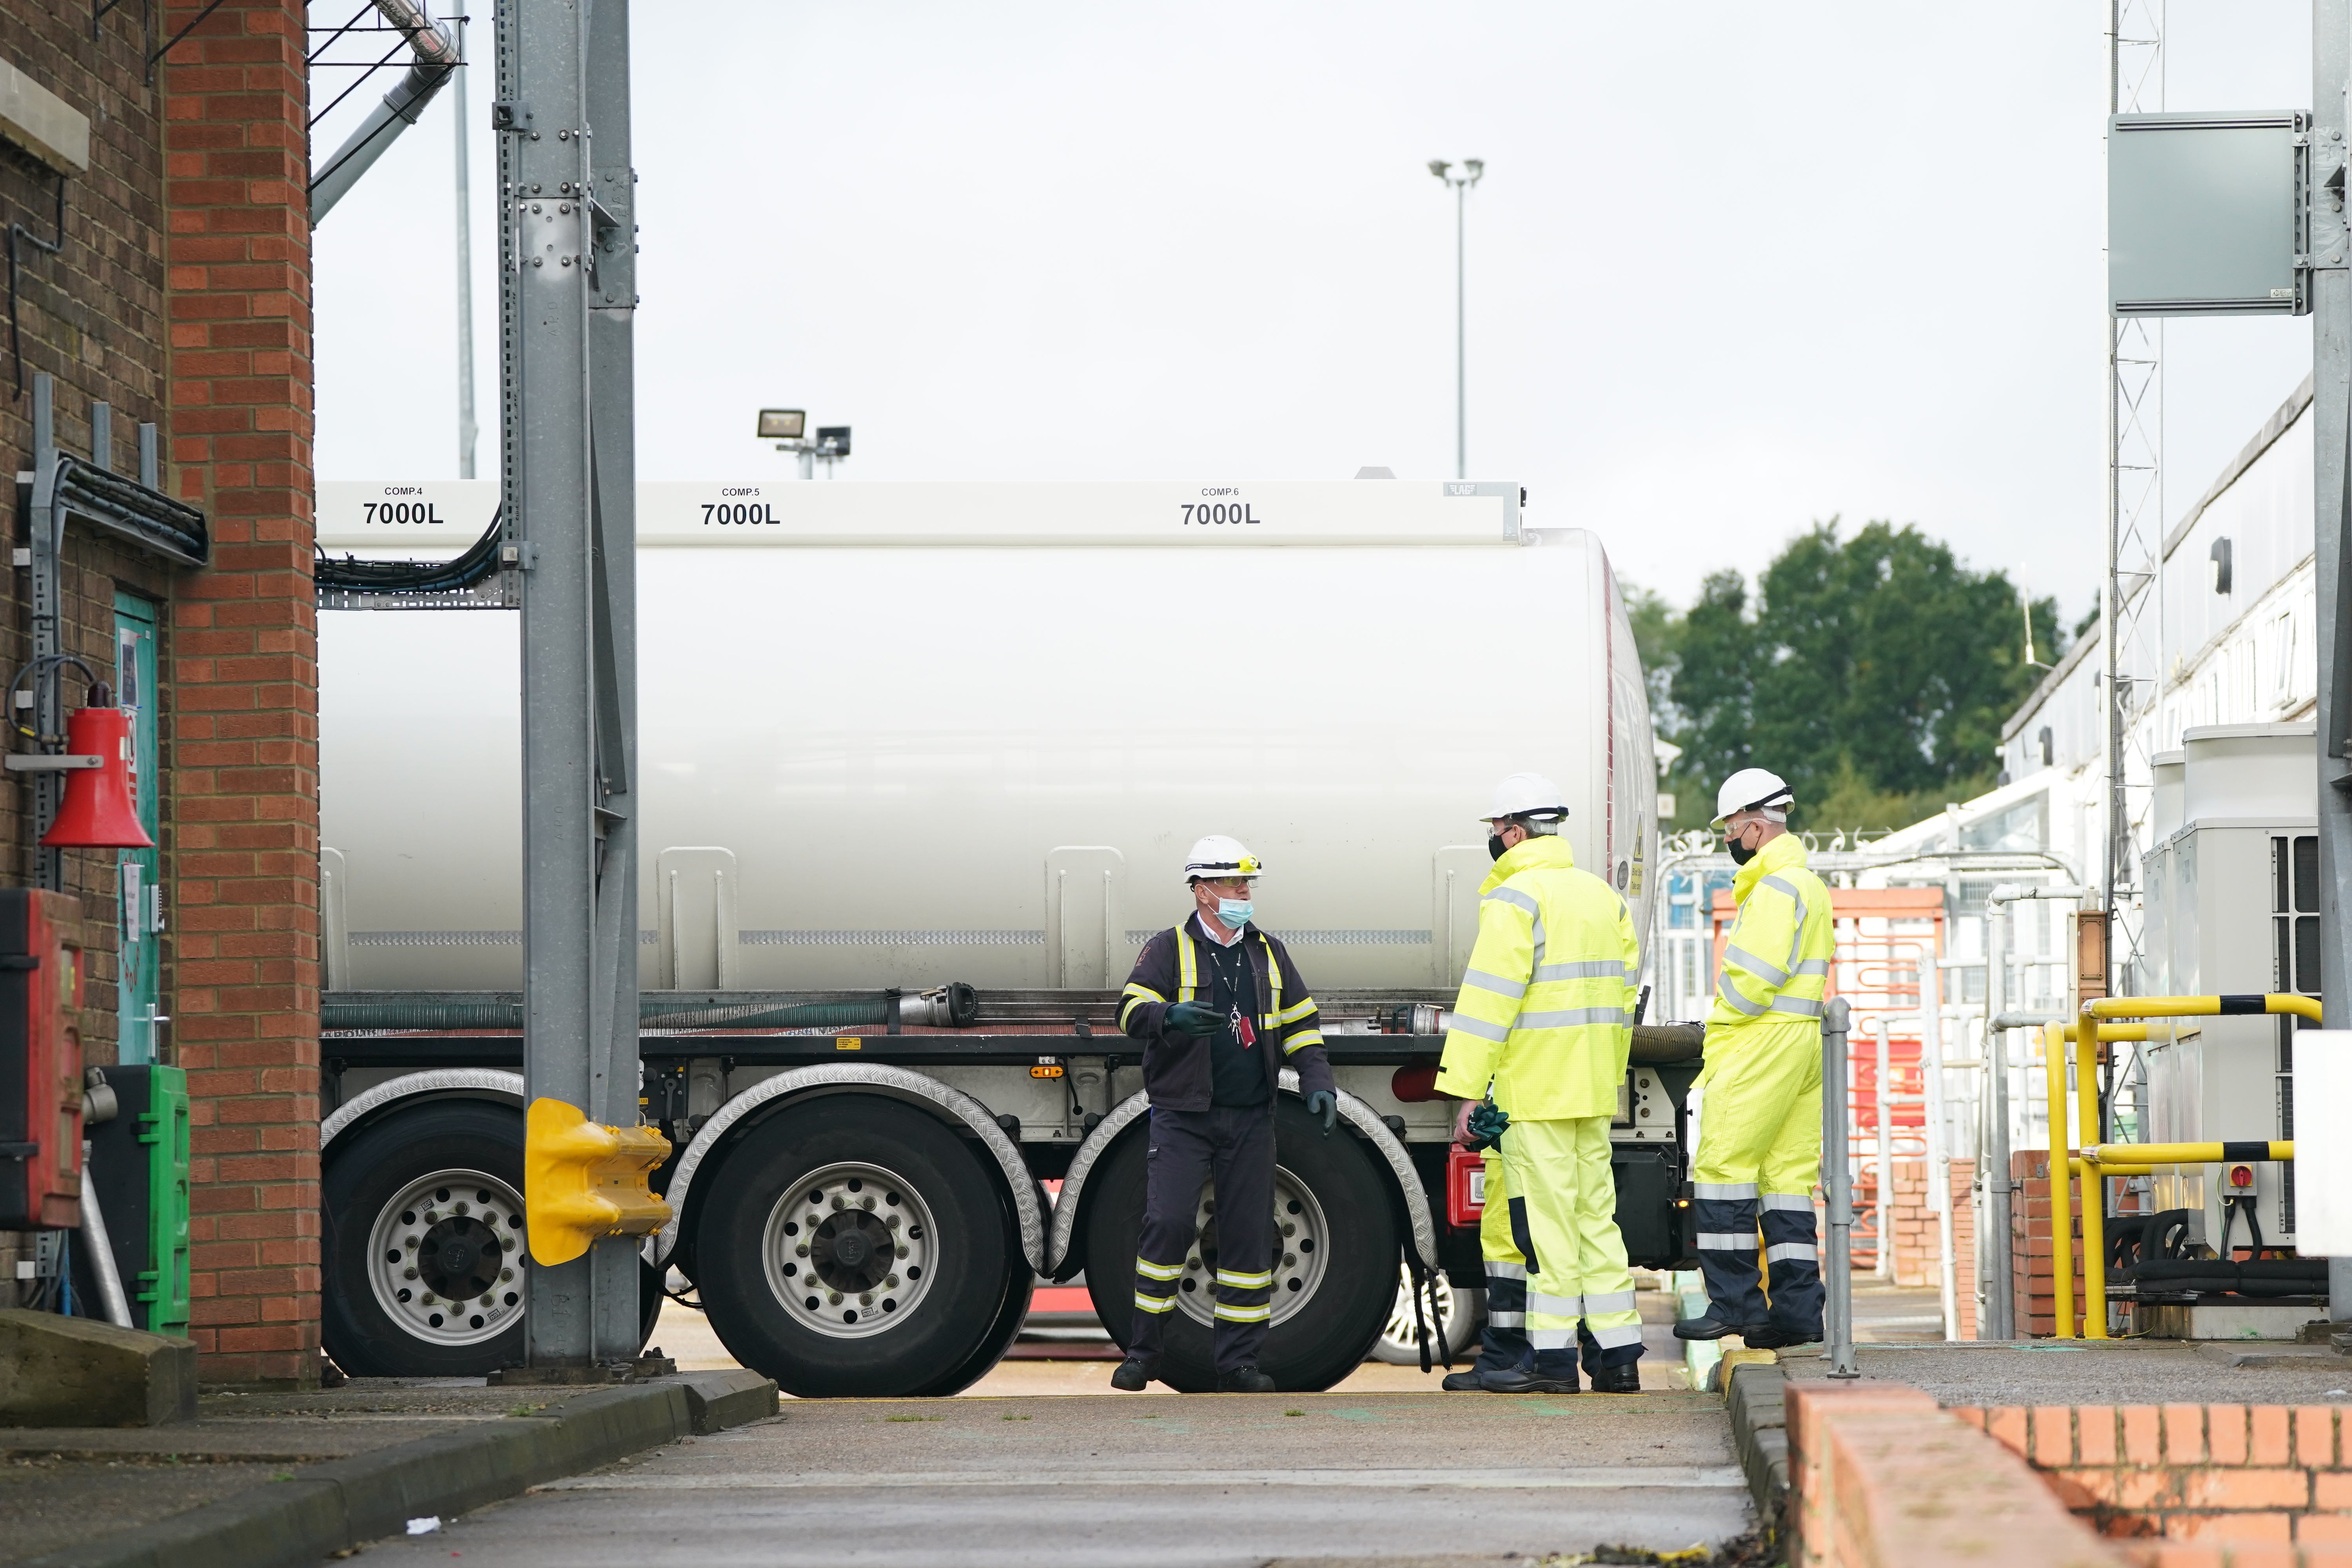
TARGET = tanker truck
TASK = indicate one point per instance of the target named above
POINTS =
(919, 765)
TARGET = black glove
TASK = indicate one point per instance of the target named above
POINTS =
(1192, 1018)
(1324, 1104)
(1486, 1123)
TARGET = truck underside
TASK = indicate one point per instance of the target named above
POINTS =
(868, 1186)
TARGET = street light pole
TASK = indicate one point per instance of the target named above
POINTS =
(1473, 169)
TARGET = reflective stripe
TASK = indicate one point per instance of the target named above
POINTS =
(1632, 975)
(1814, 966)
(1292, 1015)
(1553, 1339)
(1146, 992)
(1601, 969)
(1257, 1314)
(1571, 1018)
(1506, 1271)
(1274, 975)
(1612, 1339)
(1786, 886)
(1541, 941)
(1144, 1303)
(1769, 970)
(1798, 1005)
(1304, 1037)
(1517, 900)
(1556, 1306)
(1245, 1281)
(1786, 1201)
(1729, 1191)
(1477, 1030)
(1127, 1009)
(1508, 1319)
(1158, 1270)
(1513, 989)
(1188, 968)
(1612, 1302)
(1787, 1251)
(1731, 997)
(1726, 1241)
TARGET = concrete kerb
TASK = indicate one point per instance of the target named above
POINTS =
(340, 1503)
(1759, 1434)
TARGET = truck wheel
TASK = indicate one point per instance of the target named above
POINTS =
(1334, 1279)
(1459, 1313)
(856, 1246)
(422, 1266)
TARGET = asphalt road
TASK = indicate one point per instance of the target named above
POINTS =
(1157, 1479)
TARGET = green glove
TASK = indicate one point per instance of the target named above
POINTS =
(1192, 1018)
(1324, 1104)
(1487, 1120)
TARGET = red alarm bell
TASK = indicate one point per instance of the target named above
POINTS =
(101, 811)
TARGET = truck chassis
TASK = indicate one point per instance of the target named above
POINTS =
(863, 1210)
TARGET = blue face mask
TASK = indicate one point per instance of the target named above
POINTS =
(1235, 912)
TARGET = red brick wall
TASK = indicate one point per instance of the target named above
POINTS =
(2032, 1250)
(1882, 1478)
(1918, 1225)
(2205, 1477)
(245, 739)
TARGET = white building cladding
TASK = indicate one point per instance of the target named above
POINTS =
(2233, 641)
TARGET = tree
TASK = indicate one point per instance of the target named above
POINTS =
(1874, 675)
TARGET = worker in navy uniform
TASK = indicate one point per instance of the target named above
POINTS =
(1220, 1011)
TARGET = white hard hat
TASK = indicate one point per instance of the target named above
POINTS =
(1218, 856)
(1527, 794)
(1750, 788)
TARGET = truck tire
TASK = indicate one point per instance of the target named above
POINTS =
(1460, 1313)
(423, 1245)
(856, 1247)
(1335, 1278)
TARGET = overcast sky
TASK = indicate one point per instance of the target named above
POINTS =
(1733, 268)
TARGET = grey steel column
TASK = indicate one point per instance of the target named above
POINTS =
(611, 407)
(1837, 1174)
(578, 619)
(48, 529)
(467, 428)
(2331, 369)
(1999, 1307)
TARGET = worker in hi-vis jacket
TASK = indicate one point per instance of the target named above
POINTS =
(1220, 1011)
(1543, 1027)
(1759, 1119)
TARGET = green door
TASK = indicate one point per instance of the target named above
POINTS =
(142, 901)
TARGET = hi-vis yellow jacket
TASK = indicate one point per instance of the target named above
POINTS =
(1776, 964)
(1546, 1011)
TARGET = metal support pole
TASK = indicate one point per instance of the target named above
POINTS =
(1461, 334)
(1939, 1142)
(1885, 1182)
(468, 430)
(1999, 1306)
(2094, 1187)
(1839, 1185)
(568, 474)
(47, 526)
(2331, 379)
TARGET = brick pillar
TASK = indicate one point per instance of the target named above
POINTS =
(2032, 1252)
(244, 977)
(1917, 1225)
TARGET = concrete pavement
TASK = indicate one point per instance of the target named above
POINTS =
(1157, 1480)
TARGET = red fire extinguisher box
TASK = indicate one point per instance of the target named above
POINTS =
(1465, 1185)
(40, 1060)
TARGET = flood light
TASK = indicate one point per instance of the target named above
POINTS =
(782, 424)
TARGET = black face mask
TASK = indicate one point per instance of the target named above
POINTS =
(1494, 847)
(1740, 853)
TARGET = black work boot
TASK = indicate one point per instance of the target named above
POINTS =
(1711, 1328)
(1544, 1378)
(1772, 1338)
(1625, 1379)
(1134, 1374)
(1244, 1380)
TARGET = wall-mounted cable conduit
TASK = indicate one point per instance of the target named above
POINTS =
(466, 581)
(435, 60)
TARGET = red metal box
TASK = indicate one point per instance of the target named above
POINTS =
(1465, 1184)
(40, 1060)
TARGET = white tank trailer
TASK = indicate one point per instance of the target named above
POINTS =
(920, 765)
